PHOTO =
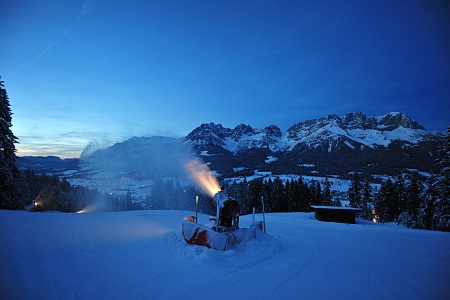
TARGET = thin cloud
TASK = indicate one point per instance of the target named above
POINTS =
(86, 7)
(41, 54)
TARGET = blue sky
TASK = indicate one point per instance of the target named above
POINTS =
(102, 71)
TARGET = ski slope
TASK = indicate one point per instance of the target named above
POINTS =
(141, 255)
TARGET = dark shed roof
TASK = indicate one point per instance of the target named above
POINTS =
(339, 214)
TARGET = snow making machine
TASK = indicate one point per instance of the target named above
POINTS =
(224, 233)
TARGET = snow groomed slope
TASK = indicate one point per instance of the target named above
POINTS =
(141, 254)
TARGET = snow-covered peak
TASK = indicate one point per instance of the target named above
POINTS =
(208, 134)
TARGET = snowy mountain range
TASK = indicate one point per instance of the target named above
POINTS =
(331, 145)
(326, 134)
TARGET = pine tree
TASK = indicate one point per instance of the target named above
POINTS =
(366, 199)
(317, 196)
(277, 195)
(267, 193)
(427, 206)
(400, 190)
(355, 191)
(244, 197)
(414, 190)
(327, 198)
(386, 205)
(442, 185)
(392, 202)
(256, 192)
(304, 194)
(11, 196)
(292, 204)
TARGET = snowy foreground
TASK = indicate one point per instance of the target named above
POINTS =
(141, 255)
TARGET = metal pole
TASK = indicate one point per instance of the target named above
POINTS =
(264, 217)
(253, 219)
(217, 210)
(196, 209)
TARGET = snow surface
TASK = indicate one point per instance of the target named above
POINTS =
(141, 255)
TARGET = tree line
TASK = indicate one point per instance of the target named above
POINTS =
(43, 192)
(408, 200)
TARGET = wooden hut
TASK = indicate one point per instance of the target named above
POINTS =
(340, 214)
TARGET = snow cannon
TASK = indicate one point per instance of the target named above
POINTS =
(228, 210)
(224, 232)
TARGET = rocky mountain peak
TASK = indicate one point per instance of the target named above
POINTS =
(273, 130)
(208, 134)
(393, 120)
(240, 130)
(359, 120)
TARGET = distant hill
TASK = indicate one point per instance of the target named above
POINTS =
(48, 164)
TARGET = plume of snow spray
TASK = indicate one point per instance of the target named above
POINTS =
(99, 204)
(203, 177)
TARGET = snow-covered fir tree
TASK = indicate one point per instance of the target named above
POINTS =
(10, 177)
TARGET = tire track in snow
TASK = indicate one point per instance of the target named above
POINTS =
(299, 270)
(254, 263)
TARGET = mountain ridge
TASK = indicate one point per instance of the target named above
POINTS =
(329, 146)
(330, 132)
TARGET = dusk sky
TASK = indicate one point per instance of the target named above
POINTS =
(103, 71)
